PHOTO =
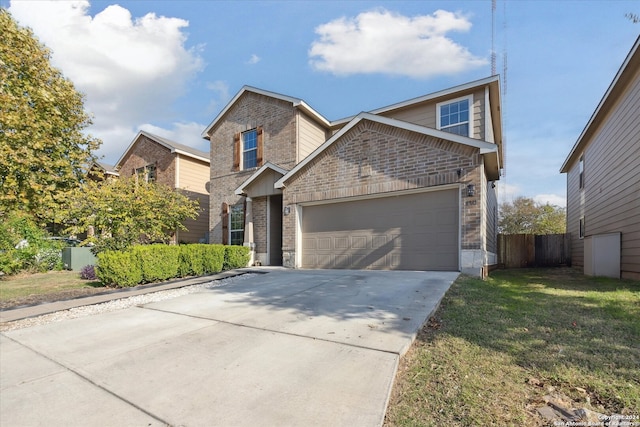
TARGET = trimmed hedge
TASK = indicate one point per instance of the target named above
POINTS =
(235, 257)
(154, 263)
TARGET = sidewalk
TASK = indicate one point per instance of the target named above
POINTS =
(19, 313)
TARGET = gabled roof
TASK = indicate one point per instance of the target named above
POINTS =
(485, 147)
(297, 102)
(106, 168)
(492, 82)
(241, 189)
(174, 147)
(626, 72)
(429, 97)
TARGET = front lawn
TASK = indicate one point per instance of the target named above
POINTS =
(496, 349)
(27, 288)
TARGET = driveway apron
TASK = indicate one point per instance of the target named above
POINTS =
(290, 347)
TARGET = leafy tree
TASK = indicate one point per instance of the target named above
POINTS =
(525, 216)
(124, 212)
(43, 152)
(26, 246)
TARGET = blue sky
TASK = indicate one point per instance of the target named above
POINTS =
(169, 67)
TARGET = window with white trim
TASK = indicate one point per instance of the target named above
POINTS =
(455, 116)
(250, 149)
(581, 228)
(146, 173)
(236, 225)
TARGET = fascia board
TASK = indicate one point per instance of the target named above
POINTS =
(439, 94)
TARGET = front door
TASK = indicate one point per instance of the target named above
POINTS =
(275, 230)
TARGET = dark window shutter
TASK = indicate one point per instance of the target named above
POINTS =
(225, 223)
(260, 144)
(236, 152)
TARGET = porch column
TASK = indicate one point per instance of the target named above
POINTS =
(248, 230)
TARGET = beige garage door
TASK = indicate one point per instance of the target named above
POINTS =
(409, 232)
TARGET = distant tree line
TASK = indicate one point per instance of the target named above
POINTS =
(525, 216)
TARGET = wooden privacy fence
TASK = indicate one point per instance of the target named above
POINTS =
(529, 250)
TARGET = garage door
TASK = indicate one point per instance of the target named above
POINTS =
(409, 232)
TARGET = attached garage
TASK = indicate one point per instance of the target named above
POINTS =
(418, 231)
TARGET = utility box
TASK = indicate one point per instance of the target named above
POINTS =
(602, 255)
(74, 258)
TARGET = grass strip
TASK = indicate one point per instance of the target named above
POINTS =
(495, 348)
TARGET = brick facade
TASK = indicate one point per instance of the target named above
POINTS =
(148, 152)
(278, 120)
(374, 158)
(370, 157)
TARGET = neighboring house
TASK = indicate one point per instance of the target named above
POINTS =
(153, 158)
(103, 172)
(603, 181)
(409, 186)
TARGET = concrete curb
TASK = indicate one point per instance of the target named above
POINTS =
(24, 312)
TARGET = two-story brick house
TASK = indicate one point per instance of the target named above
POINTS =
(153, 158)
(407, 186)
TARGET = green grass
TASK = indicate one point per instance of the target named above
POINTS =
(52, 282)
(494, 348)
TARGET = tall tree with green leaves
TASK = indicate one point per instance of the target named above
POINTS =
(125, 212)
(43, 151)
(525, 216)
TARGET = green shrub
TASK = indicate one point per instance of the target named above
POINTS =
(214, 258)
(236, 257)
(153, 263)
(120, 268)
(158, 262)
(200, 259)
(191, 260)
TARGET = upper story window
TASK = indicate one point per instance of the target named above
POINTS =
(146, 173)
(247, 149)
(455, 116)
(581, 170)
(250, 149)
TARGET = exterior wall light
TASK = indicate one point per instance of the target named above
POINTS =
(286, 210)
(471, 190)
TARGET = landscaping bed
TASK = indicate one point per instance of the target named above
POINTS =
(520, 347)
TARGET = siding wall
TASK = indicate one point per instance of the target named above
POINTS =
(575, 210)
(425, 114)
(311, 135)
(192, 178)
(612, 182)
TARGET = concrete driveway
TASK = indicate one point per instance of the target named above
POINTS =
(290, 347)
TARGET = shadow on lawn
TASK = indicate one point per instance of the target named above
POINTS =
(556, 322)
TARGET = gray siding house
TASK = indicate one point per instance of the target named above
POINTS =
(603, 181)
(408, 186)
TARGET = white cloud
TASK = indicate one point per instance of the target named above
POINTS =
(254, 59)
(507, 192)
(552, 199)
(131, 70)
(221, 95)
(381, 41)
